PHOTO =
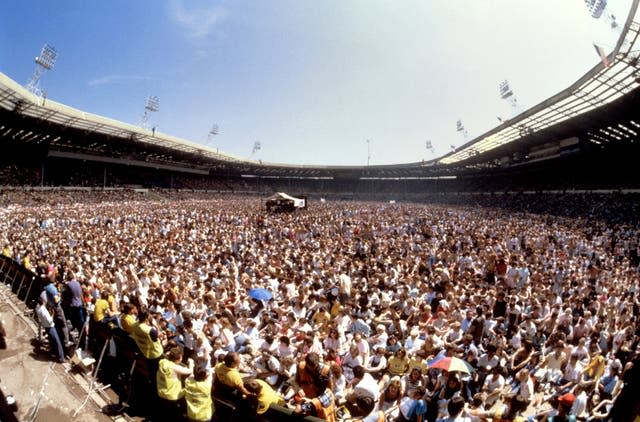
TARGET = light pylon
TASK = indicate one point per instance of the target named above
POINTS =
(45, 61)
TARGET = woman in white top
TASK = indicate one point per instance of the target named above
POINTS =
(332, 341)
(350, 361)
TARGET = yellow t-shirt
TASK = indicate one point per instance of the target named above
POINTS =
(100, 310)
(198, 397)
(266, 397)
(228, 376)
(595, 368)
(7, 252)
(335, 308)
(398, 366)
(320, 318)
(420, 364)
(128, 322)
(169, 384)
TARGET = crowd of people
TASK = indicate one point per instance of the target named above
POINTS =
(345, 310)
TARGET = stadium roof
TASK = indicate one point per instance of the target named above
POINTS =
(597, 108)
(615, 76)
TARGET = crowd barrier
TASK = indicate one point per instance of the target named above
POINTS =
(24, 283)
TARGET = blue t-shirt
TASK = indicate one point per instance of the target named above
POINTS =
(417, 407)
(52, 292)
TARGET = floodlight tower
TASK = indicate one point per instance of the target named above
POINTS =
(215, 130)
(368, 152)
(461, 129)
(152, 105)
(257, 146)
(45, 61)
(506, 93)
(429, 146)
(598, 8)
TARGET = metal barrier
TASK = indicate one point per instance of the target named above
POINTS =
(24, 283)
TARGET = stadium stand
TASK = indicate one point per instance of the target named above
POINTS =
(536, 220)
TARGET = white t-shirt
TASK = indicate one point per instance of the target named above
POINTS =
(368, 387)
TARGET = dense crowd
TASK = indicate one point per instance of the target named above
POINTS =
(366, 311)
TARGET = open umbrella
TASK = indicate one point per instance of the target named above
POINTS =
(260, 294)
(451, 364)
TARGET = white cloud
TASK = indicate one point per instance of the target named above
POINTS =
(198, 22)
(115, 79)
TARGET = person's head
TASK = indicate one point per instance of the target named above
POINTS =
(143, 316)
(565, 402)
(365, 403)
(336, 371)
(358, 372)
(312, 361)
(522, 375)
(418, 393)
(200, 373)
(232, 360)
(478, 400)
(491, 349)
(128, 308)
(174, 354)
(284, 340)
(395, 384)
(455, 406)
(253, 386)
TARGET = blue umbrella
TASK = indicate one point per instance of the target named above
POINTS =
(260, 294)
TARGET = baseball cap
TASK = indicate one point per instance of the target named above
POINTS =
(567, 398)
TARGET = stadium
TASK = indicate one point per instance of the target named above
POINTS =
(144, 220)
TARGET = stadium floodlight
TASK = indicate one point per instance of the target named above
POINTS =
(151, 105)
(214, 131)
(429, 146)
(257, 146)
(596, 7)
(461, 129)
(45, 61)
(506, 93)
(368, 152)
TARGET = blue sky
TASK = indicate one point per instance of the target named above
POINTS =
(311, 80)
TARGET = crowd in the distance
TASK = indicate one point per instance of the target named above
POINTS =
(364, 301)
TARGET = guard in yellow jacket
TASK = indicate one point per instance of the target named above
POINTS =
(169, 383)
(198, 395)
